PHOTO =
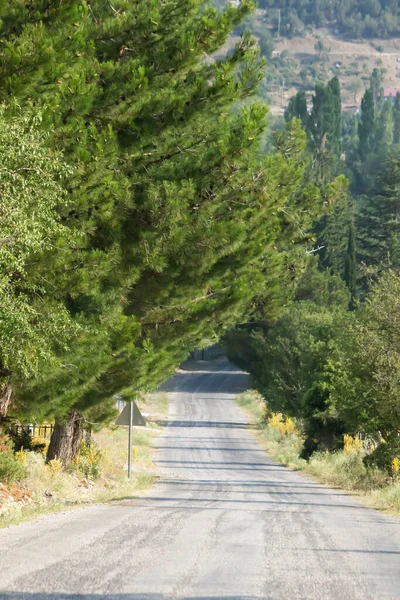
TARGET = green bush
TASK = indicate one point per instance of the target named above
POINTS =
(382, 457)
(389, 496)
(345, 470)
(88, 461)
(11, 468)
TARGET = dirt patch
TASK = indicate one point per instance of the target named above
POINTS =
(14, 494)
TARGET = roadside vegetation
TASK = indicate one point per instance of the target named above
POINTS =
(331, 358)
(29, 486)
(283, 438)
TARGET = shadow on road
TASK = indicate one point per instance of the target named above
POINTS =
(206, 502)
(207, 376)
(217, 424)
(61, 596)
(249, 483)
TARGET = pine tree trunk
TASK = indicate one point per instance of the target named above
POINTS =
(65, 439)
(5, 399)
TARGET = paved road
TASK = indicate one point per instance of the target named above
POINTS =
(224, 522)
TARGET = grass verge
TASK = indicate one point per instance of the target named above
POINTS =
(47, 488)
(339, 469)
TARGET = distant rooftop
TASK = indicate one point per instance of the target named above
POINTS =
(391, 92)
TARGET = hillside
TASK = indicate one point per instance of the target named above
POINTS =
(319, 55)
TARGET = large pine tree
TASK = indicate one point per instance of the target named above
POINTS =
(179, 218)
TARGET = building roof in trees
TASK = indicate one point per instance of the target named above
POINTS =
(387, 92)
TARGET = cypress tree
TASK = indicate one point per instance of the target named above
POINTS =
(379, 225)
(350, 270)
(366, 127)
(323, 126)
(396, 120)
(324, 129)
(375, 86)
(331, 231)
(297, 108)
(384, 127)
(335, 137)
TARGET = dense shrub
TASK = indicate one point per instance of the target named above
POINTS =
(11, 467)
(382, 457)
(88, 461)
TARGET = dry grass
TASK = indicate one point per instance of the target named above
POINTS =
(339, 469)
(50, 489)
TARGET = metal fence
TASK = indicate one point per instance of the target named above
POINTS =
(39, 431)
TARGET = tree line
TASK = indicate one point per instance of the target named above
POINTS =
(368, 18)
(332, 357)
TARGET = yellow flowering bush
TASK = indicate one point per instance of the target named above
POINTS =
(275, 420)
(88, 461)
(285, 426)
(396, 466)
(55, 467)
(21, 456)
(352, 445)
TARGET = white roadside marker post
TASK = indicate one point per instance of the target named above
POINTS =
(130, 416)
(130, 440)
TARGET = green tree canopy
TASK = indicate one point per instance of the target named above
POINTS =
(323, 126)
(179, 217)
(32, 237)
(34, 323)
(365, 381)
(366, 18)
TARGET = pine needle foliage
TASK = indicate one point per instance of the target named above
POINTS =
(180, 221)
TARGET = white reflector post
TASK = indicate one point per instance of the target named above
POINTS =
(130, 440)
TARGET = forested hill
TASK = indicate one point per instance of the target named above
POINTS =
(353, 17)
(314, 40)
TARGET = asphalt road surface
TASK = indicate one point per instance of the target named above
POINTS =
(224, 522)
